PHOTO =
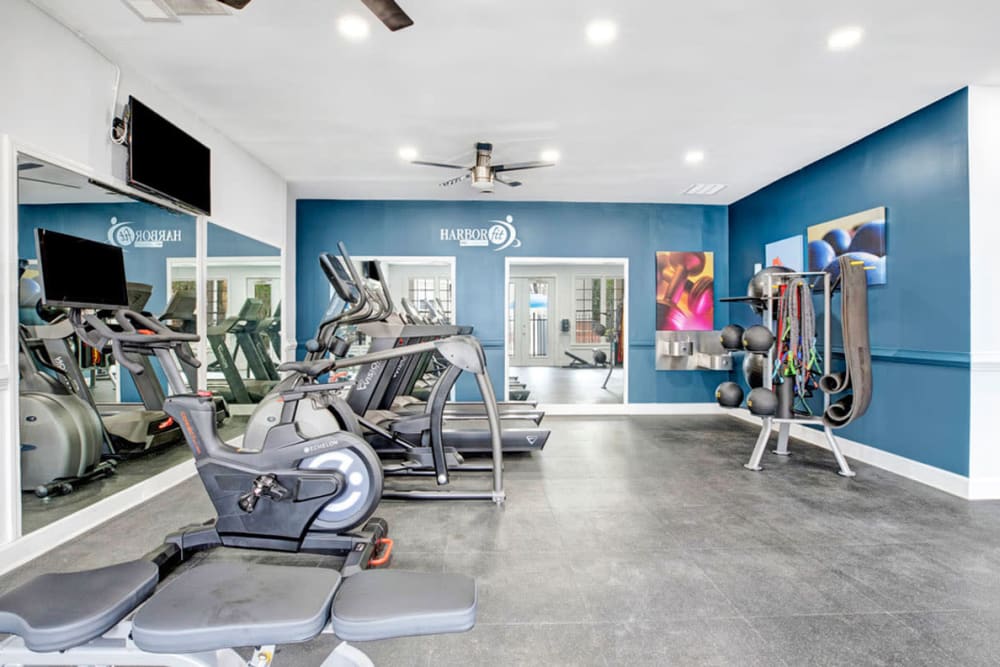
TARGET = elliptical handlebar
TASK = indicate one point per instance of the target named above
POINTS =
(138, 332)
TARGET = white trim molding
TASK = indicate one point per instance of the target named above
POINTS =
(944, 480)
(618, 409)
(34, 544)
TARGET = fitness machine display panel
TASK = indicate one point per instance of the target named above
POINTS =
(65, 260)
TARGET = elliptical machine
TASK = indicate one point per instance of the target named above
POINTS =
(61, 434)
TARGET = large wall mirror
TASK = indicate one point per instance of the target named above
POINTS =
(242, 302)
(88, 427)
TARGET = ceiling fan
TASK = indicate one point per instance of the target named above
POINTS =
(484, 173)
(387, 11)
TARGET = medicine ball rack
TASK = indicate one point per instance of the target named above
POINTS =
(774, 282)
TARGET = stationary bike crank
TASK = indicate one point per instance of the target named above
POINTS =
(362, 472)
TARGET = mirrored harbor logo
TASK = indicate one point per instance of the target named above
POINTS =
(501, 233)
(123, 235)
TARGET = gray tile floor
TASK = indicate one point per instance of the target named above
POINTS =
(37, 512)
(643, 541)
(577, 386)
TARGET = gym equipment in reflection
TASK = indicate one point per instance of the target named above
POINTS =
(787, 359)
(132, 428)
(245, 327)
(61, 436)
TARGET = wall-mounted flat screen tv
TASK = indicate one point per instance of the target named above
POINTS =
(166, 161)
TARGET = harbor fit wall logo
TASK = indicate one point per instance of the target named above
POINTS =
(124, 235)
(501, 234)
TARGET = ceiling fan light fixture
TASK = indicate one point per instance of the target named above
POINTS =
(353, 27)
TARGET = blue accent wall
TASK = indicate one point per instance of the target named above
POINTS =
(223, 242)
(93, 221)
(918, 169)
(545, 229)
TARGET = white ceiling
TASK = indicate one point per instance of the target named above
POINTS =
(750, 83)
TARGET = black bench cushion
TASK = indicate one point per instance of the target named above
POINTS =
(55, 612)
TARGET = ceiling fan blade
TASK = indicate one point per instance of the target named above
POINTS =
(457, 179)
(513, 184)
(235, 4)
(517, 166)
(389, 13)
(438, 164)
(41, 180)
(25, 166)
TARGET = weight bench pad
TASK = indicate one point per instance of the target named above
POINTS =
(380, 604)
(231, 604)
(55, 612)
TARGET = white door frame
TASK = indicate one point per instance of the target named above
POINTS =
(626, 351)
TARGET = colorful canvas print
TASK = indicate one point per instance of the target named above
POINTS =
(860, 236)
(685, 291)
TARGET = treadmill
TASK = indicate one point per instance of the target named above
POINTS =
(233, 386)
(377, 386)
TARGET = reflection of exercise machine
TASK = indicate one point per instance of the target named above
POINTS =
(237, 388)
(131, 429)
(576, 361)
(61, 435)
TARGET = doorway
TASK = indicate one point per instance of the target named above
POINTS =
(529, 321)
(565, 330)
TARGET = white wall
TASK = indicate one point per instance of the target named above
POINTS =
(57, 96)
(564, 303)
(984, 233)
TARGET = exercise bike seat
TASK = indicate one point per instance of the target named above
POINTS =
(228, 604)
(55, 612)
(382, 604)
(311, 369)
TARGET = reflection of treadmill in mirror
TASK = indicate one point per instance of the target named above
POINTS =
(269, 330)
(180, 316)
(132, 428)
(236, 388)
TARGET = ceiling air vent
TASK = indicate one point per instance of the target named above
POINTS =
(154, 11)
(198, 7)
(169, 10)
(705, 189)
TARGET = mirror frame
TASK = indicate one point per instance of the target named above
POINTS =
(17, 548)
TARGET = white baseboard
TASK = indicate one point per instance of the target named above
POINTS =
(944, 480)
(606, 409)
(48, 537)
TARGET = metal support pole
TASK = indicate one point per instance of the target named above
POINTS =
(782, 448)
(845, 469)
(758, 449)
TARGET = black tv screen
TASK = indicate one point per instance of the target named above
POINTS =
(79, 273)
(165, 160)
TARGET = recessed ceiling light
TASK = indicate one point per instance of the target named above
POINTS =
(601, 32)
(550, 155)
(408, 153)
(705, 189)
(844, 39)
(353, 27)
(694, 157)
